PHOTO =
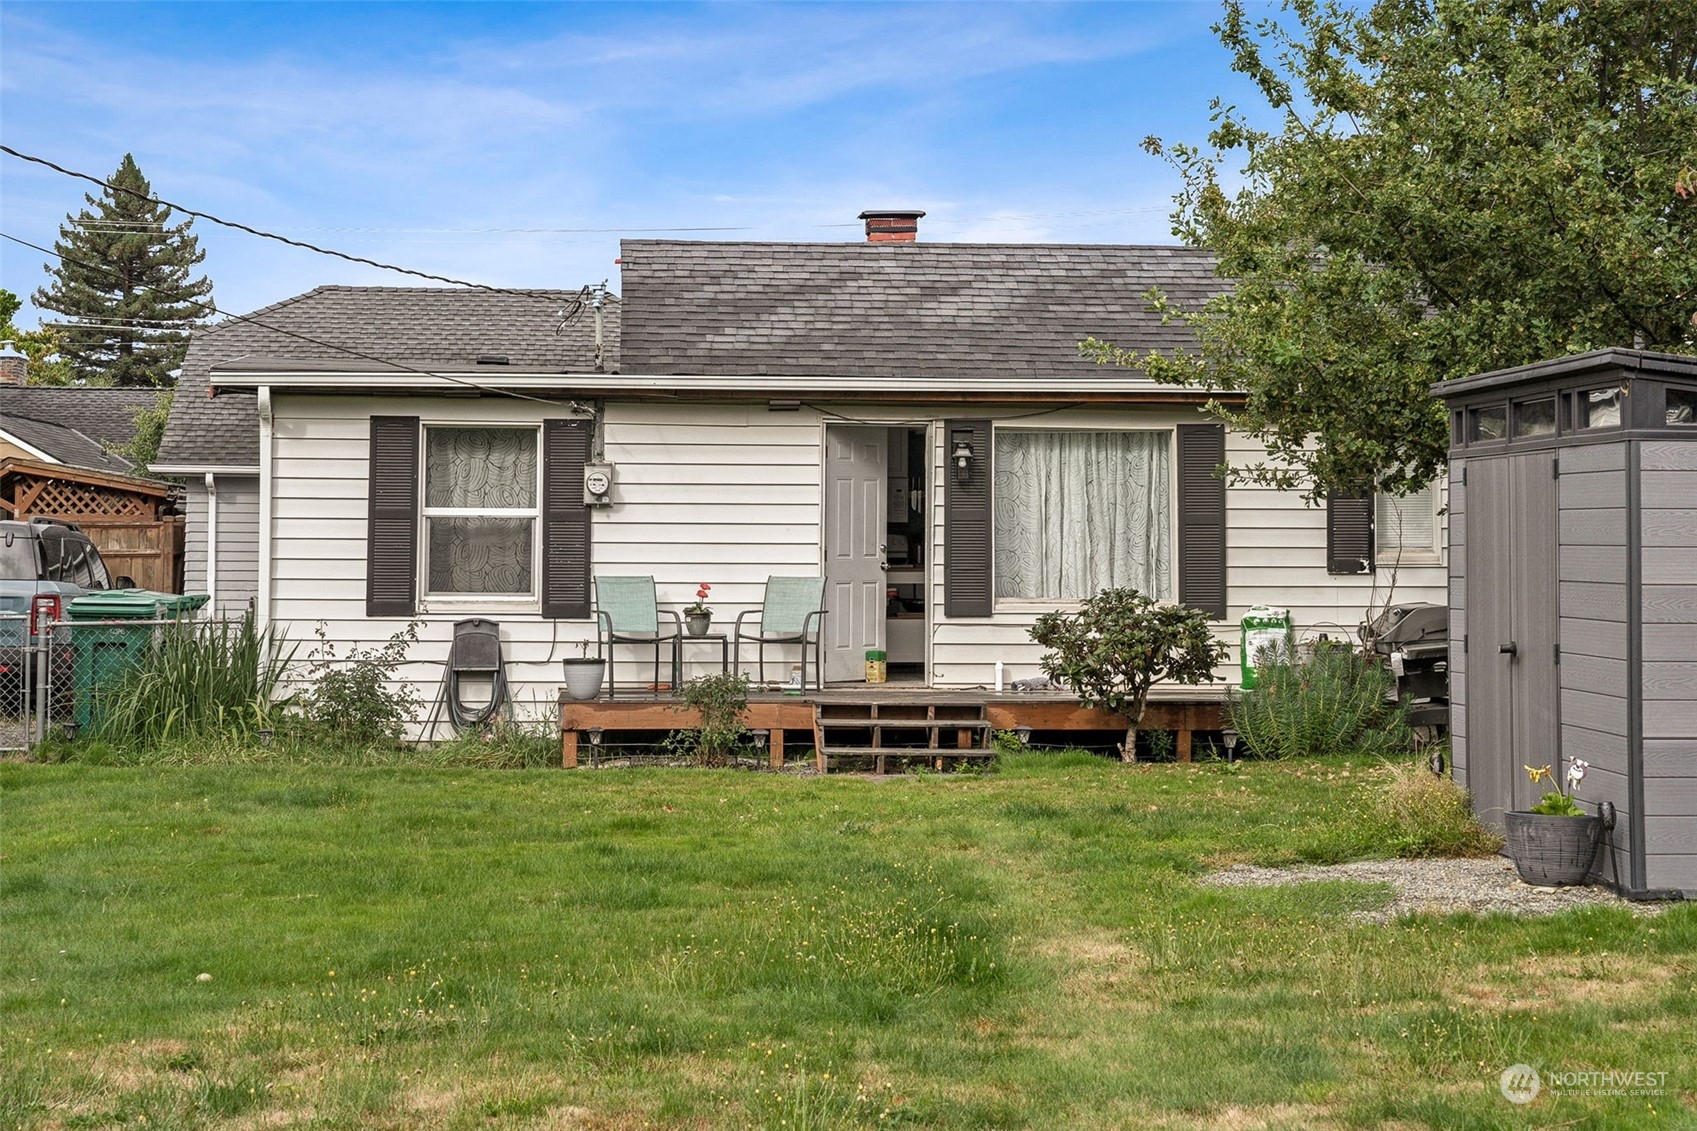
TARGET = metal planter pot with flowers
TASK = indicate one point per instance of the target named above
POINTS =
(1555, 841)
(698, 618)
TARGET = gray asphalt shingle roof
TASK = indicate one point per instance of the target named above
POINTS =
(73, 423)
(902, 310)
(899, 310)
(420, 327)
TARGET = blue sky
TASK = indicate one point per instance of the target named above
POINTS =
(413, 133)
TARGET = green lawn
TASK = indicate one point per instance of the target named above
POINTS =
(455, 948)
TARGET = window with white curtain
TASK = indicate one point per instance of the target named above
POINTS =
(1406, 526)
(480, 492)
(1077, 512)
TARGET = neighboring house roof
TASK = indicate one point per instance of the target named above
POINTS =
(396, 328)
(72, 424)
(898, 310)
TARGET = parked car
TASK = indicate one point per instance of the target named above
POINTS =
(45, 563)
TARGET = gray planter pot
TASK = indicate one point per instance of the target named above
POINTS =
(698, 624)
(1549, 850)
(583, 676)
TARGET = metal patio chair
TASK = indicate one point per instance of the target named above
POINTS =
(793, 612)
(628, 612)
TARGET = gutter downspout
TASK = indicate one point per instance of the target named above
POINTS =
(211, 545)
(262, 617)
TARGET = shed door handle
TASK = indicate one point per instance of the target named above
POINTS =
(1509, 649)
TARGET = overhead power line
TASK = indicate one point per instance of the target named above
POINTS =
(349, 350)
(252, 231)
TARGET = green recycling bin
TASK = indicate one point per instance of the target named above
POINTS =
(110, 634)
(1267, 637)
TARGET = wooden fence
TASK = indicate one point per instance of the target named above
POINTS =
(150, 553)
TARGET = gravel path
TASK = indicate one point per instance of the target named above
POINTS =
(1479, 886)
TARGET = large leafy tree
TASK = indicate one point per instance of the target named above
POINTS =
(123, 280)
(41, 346)
(1456, 186)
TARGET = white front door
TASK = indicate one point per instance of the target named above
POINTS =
(856, 466)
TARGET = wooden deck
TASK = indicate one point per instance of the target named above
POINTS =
(1183, 710)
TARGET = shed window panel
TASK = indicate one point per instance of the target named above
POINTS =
(1078, 512)
(1682, 406)
(1600, 408)
(1406, 526)
(480, 513)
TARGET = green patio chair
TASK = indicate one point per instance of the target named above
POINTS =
(793, 612)
(628, 612)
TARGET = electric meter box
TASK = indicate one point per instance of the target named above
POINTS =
(597, 484)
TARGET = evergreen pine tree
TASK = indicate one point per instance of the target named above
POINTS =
(123, 282)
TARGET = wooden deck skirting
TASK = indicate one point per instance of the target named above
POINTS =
(1182, 710)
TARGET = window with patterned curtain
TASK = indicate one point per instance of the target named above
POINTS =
(480, 492)
(1078, 512)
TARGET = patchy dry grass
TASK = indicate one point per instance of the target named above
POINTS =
(417, 948)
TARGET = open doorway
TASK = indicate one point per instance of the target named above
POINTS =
(905, 622)
(875, 550)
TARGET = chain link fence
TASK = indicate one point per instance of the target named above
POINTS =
(58, 677)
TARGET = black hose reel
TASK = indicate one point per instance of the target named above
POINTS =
(475, 657)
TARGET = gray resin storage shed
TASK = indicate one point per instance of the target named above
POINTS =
(1573, 596)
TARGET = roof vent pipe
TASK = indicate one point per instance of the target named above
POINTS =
(892, 225)
(598, 300)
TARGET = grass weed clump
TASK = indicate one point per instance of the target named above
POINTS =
(198, 680)
(509, 744)
(1333, 704)
(1428, 815)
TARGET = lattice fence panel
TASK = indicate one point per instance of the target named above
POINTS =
(63, 499)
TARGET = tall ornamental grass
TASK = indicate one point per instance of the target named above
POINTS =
(1335, 703)
(198, 680)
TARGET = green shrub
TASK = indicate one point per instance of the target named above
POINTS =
(1118, 644)
(1428, 815)
(198, 680)
(1333, 704)
(720, 700)
(357, 699)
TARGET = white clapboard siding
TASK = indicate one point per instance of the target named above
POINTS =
(238, 542)
(725, 494)
(1275, 555)
(729, 494)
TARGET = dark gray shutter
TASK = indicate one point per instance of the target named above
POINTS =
(565, 519)
(391, 569)
(1349, 532)
(968, 577)
(1202, 518)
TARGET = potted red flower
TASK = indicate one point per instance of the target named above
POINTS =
(698, 617)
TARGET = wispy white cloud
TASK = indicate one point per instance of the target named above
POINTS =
(783, 120)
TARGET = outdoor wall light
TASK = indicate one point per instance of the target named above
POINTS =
(963, 459)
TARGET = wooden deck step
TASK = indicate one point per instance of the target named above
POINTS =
(882, 733)
(881, 759)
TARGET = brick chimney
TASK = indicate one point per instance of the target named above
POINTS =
(14, 366)
(891, 225)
